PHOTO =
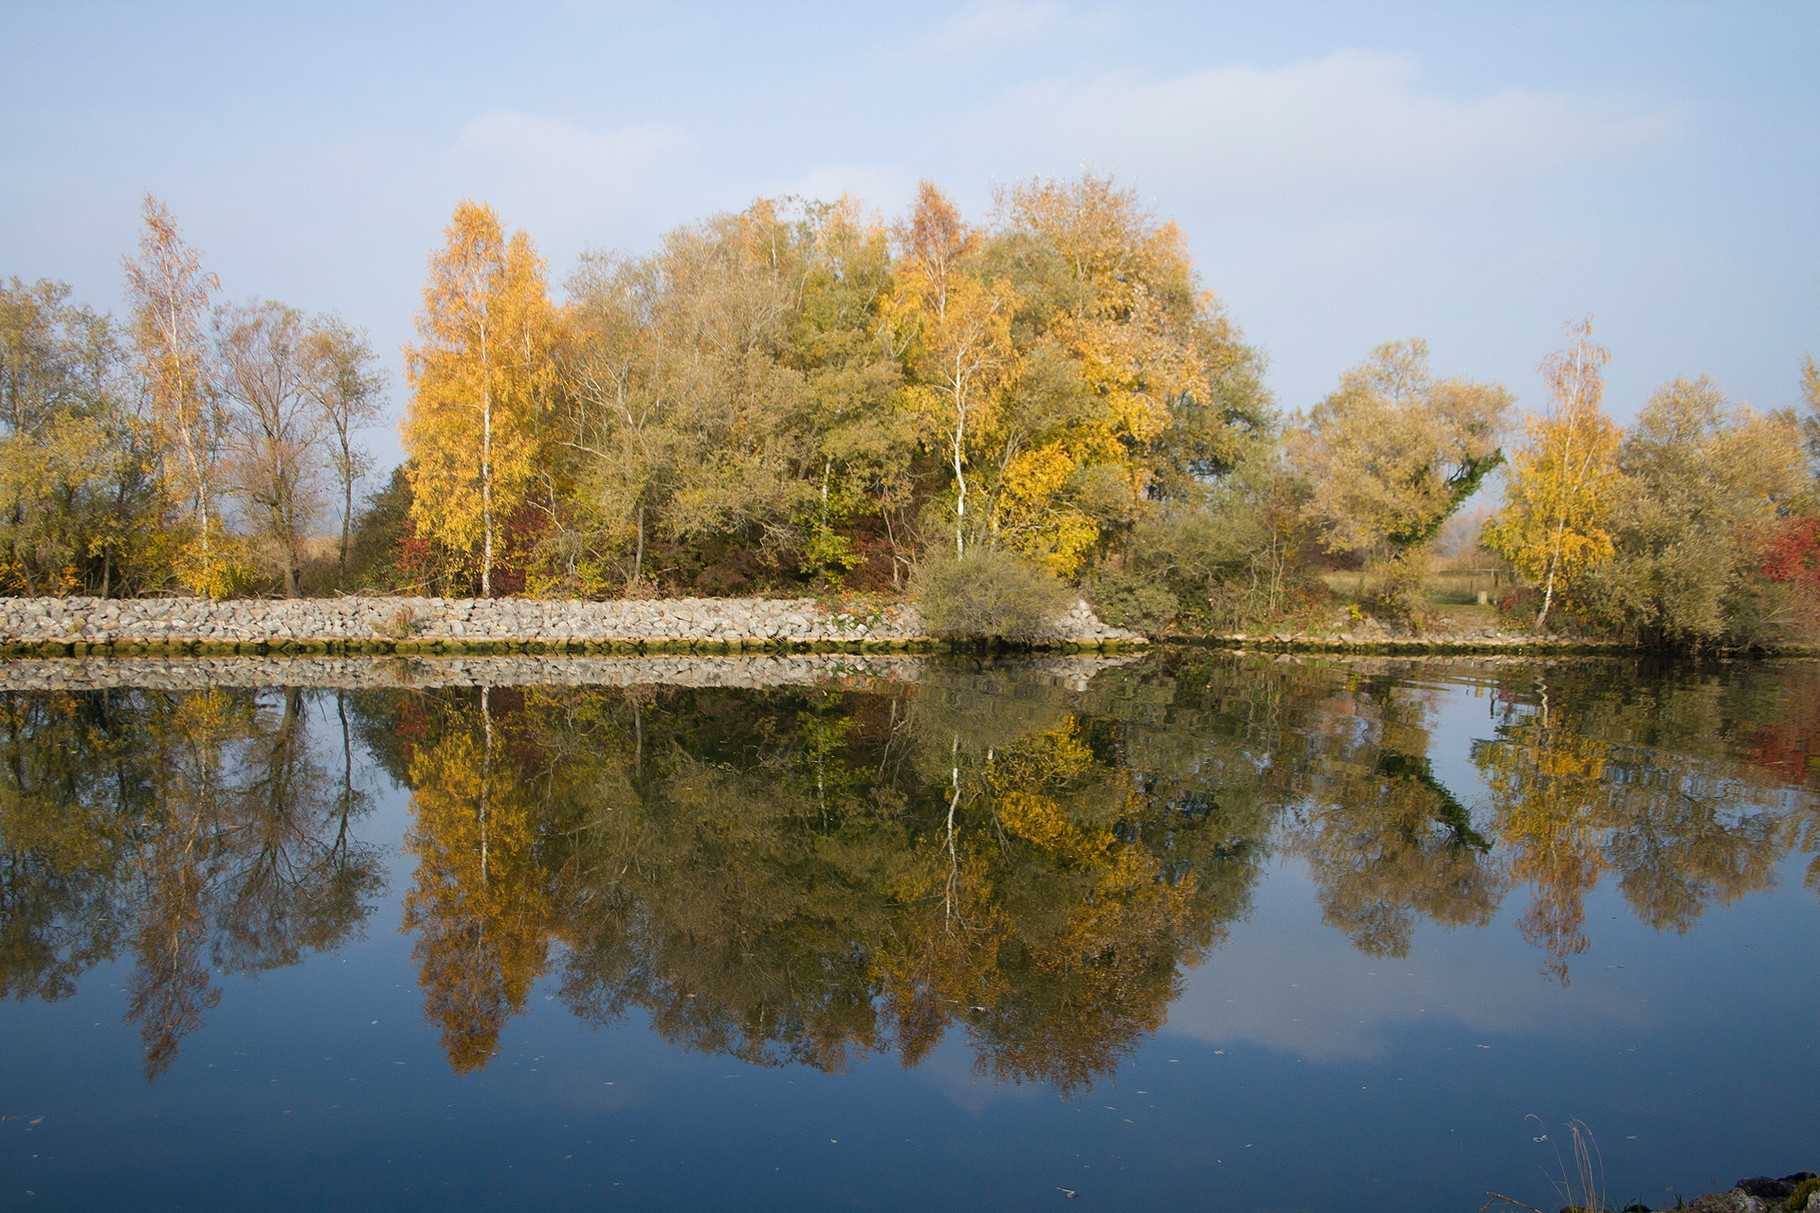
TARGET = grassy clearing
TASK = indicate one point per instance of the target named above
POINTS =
(1452, 597)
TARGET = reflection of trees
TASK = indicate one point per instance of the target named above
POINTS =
(67, 793)
(809, 876)
(815, 875)
(1547, 802)
(1385, 841)
(1785, 742)
(478, 898)
(198, 829)
(1651, 777)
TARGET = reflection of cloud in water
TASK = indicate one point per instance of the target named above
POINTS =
(949, 1068)
(1289, 982)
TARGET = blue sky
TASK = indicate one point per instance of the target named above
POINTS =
(1346, 174)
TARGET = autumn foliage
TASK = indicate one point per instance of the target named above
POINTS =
(811, 397)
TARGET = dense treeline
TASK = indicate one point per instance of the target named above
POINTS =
(805, 396)
(814, 875)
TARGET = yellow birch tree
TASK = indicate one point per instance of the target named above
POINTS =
(477, 380)
(1560, 490)
(963, 325)
(169, 291)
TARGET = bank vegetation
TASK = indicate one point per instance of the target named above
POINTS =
(808, 398)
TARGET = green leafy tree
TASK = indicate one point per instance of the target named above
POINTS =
(1701, 480)
(75, 464)
(1392, 454)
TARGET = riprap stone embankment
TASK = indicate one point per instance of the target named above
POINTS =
(84, 625)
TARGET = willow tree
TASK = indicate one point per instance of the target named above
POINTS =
(1701, 481)
(1557, 502)
(72, 476)
(477, 380)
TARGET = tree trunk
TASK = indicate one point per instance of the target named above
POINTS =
(960, 506)
(486, 493)
(347, 510)
(638, 556)
(486, 777)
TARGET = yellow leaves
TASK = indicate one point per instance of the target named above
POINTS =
(479, 899)
(477, 381)
(1563, 482)
(1391, 450)
(1043, 821)
(1551, 808)
(1024, 781)
(1029, 514)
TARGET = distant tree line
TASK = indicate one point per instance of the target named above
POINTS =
(804, 397)
(193, 446)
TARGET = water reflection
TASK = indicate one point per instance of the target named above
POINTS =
(191, 831)
(812, 875)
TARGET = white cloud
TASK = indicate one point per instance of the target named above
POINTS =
(979, 26)
(1353, 120)
(1288, 982)
(558, 179)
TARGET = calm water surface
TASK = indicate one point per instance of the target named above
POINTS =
(1197, 931)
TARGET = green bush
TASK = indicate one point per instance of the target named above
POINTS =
(1133, 600)
(1400, 588)
(986, 594)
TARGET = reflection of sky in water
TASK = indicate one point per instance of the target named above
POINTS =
(1288, 982)
(1294, 1072)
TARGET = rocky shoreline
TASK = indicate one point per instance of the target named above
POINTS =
(126, 627)
(76, 627)
(1375, 636)
(1797, 1193)
(1371, 636)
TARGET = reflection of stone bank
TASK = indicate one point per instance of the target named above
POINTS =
(411, 673)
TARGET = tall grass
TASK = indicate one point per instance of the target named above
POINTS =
(1581, 1189)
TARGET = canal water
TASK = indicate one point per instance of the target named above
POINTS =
(1189, 930)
